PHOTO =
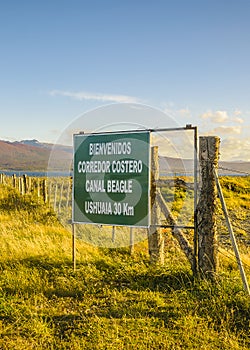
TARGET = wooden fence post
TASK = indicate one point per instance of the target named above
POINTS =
(38, 187)
(2, 178)
(55, 197)
(60, 199)
(68, 194)
(155, 237)
(206, 218)
(14, 181)
(44, 191)
(25, 183)
(21, 185)
(131, 241)
(50, 192)
(29, 184)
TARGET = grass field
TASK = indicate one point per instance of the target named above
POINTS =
(114, 300)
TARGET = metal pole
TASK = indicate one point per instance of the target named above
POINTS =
(231, 233)
(195, 268)
(73, 247)
(113, 234)
(187, 127)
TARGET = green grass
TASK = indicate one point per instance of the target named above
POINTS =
(236, 191)
(113, 300)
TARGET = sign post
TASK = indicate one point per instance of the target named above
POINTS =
(111, 179)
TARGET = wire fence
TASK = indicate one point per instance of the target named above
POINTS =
(234, 171)
(56, 192)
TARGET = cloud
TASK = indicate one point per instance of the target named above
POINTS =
(237, 112)
(233, 148)
(81, 96)
(215, 117)
(219, 117)
(225, 130)
(238, 120)
(174, 144)
(184, 112)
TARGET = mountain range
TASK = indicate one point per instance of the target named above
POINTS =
(32, 155)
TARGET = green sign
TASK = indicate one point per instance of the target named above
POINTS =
(111, 178)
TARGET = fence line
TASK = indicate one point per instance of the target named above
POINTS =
(231, 233)
(54, 192)
(234, 170)
(57, 192)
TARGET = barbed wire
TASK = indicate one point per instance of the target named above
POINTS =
(232, 255)
(233, 170)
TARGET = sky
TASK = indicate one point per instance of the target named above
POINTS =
(190, 59)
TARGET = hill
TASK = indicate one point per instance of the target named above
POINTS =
(32, 155)
(170, 165)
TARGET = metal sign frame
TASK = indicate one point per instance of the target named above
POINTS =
(195, 173)
(195, 155)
